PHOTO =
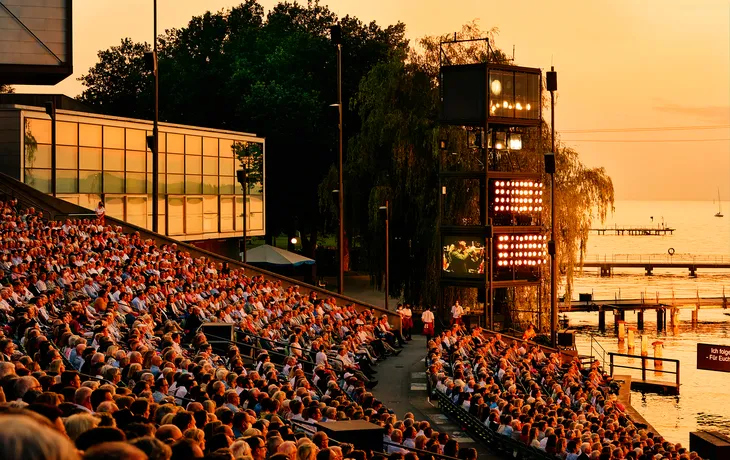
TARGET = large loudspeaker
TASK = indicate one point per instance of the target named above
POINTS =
(220, 335)
(361, 434)
(566, 339)
(463, 94)
(709, 444)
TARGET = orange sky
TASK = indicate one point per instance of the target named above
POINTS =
(620, 63)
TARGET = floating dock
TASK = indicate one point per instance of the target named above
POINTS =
(634, 231)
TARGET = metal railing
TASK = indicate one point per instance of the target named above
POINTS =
(644, 368)
(596, 348)
(658, 258)
(504, 445)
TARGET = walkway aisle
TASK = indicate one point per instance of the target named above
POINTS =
(402, 388)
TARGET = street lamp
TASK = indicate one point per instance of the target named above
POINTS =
(336, 37)
(552, 86)
(153, 142)
(386, 211)
(51, 111)
(242, 175)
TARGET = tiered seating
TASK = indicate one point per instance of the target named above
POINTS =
(104, 322)
(528, 402)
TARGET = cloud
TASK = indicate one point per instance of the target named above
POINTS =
(712, 113)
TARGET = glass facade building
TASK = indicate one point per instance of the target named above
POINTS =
(103, 158)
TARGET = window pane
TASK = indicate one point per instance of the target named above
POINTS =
(160, 185)
(136, 140)
(194, 215)
(113, 182)
(256, 214)
(137, 210)
(210, 205)
(113, 137)
(238, 216)
(175, 143)
(90, 182)
(90, 135)
(114, 206)
(210, 166)
(66, 181)
(175, 213)
(89, 158)
(39, 179)
(175, 164)
(210, 146)
(136, 161)
(39, 129)
(193, 164)
(193, 184)
(226, 214)
(226, 186)
(161, 161)
(193, 145)
(136, 183)
(66, 157)
(226, 166)
(113, 160)
(210, 185)
(175, 183)
(67, 133)
(226, 148)
(38, 158)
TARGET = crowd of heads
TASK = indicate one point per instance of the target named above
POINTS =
(545, 399)
(100, 357)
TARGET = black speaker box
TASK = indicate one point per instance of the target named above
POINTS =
(361, 434)
(566, 339)
(709, 445)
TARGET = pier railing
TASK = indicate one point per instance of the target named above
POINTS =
(648, 364)
(679, 259)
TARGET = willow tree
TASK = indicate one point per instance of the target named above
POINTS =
(395, 156)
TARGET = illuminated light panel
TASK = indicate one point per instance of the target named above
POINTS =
(523, 196)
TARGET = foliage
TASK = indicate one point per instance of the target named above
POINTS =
(6, 89)
(31, 147)
(273, 74)
(395, 156)
(251, 156)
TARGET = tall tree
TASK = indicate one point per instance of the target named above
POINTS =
(270, 74)
(395, 156)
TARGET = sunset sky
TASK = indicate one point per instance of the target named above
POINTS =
(621, 64)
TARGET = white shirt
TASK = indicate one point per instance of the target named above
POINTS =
(456, 311)
(427, 316)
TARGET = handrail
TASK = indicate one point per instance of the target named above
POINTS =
(602, 350)
(643, 367)
(484, 434)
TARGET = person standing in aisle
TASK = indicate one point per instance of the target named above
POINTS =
(428, 329)
(407, 321)
(456, 312)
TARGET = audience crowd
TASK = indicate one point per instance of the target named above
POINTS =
(100, 356)
(546, 401)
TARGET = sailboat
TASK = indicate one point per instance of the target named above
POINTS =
(719, 204)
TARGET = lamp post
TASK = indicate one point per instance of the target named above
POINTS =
(552, 86)
(336, 36)
(242, 175)
(386, 210)
(51, 111)
(156, 132)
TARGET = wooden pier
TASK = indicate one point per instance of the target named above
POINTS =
(634, 231)
(649, 262)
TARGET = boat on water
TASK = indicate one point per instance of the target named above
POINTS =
(719, 204)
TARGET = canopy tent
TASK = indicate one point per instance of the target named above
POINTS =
(271, 255)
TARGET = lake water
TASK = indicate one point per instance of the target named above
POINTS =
(704, 400)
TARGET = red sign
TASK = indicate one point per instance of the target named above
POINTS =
(713, 357)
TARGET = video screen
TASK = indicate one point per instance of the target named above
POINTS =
(463, 256)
